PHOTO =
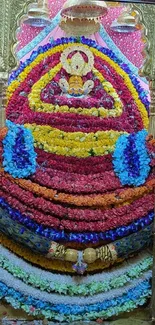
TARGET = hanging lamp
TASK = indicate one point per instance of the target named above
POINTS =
(80, 17)
(38, 14)
(126, 22)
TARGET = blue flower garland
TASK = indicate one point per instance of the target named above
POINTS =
(19, 157)
(86, 237)
(131, 160)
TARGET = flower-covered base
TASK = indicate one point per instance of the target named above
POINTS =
(76, 185)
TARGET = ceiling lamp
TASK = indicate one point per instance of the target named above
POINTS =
(126, 22)
(84, 9)
(38, 15)
(82, 17)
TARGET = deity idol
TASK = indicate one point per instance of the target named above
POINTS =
(76, 185)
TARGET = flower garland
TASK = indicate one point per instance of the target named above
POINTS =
(116, 278)
(131, 160)
(126, 307)
(56, 235)
(48, 131)
(73, 144)
(61, 235)
(107, 308)
(72, 302)
(123, 216)
(87, 166)
(99, 200)
(72, 122)
(30, 200)
(76, 183)
(19, 158)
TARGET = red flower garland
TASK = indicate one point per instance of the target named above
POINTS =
(24, 201)
(75, 183)
(90, 165)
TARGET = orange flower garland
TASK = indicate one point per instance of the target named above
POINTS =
(104, 200)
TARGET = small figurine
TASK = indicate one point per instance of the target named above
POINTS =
(76, 67)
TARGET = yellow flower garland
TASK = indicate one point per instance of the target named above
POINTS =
(13, 86)
(77, 144)
(37, 105)
(54, 265)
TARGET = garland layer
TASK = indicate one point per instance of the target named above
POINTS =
(130, 300)
(84, 286)
(74, 144)
(104, 200)
(55, 300)
(55, 235)
(24, 200)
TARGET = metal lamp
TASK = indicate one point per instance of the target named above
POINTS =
(82, 16)
(38, 15)
(125, 23)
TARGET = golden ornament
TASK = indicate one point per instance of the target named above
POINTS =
(89, 255)
(71, 255)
